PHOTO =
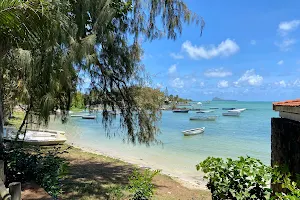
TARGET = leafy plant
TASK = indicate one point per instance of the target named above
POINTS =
(32, 164)
(140, 184)
(115, 192)
(282, 176)
(245, 178)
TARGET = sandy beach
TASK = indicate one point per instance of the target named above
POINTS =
(92, 176)
(187, 181)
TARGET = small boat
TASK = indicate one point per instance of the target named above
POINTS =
(199, 103)
(237, 110)
(205, 111)
(195, 131)
(232, 114)
(228, 108)
(204, 118)
(36, 137)
(76, 115)
(180, 111)
(88, 117)
(214, 108)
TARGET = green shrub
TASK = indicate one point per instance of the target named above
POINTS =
(115, 192)
(140, 184)
(25, 164)
(245, 178)
(282, 176)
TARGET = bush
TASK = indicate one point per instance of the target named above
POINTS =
(140, 184)
(245, 178)
(282, 176)
(25, 164)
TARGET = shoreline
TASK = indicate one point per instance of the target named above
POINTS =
(190, 183)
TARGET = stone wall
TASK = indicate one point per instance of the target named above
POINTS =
(285, 144)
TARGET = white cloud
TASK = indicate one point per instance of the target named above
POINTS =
(177, 83)
(253, 42)
(219, 73)
(285, 27)
(280, 62)
(281, 83)
(176, 55)
(225, 48)
(250, 78)
(201, 84)
(296, 83)
(194, 80)
(172, 69)
(223, 84)
(286, 44)
(159, 85)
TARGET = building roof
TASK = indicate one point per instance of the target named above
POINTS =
(289, 103)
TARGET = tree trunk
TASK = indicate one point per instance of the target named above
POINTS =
(1, 112)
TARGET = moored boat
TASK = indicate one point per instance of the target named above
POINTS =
(204, 118)
(40, 137)
(194, 131)
(88, 117)
(76, 115)
(228, 108)
(180, 111)
(237, 110)
(214, 108)
(232, 114)
(205, 111)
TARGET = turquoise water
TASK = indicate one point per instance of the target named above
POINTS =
(248, 134)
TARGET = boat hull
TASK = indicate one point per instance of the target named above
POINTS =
(180, 111)
(210, 118)
(232, 114)
(195, 131)
(35, 137)
(228, 108)
(88, 117)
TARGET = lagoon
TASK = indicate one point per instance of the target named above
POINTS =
(248, 134)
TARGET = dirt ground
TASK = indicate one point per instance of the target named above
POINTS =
(93, 176)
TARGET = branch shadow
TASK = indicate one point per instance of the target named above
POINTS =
(92, 178)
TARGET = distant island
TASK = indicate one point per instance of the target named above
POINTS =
(219, 99)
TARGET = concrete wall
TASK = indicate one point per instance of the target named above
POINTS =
(285, 144)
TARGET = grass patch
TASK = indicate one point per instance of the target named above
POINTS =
(16, 120)
(92, 176)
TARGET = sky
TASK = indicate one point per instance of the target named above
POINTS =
(249, 50)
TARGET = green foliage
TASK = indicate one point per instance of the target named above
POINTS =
(245, 178)
(78, 100)
(25, 164)
(51, 43)
(291, 189)
(140, 184)
(115, 192)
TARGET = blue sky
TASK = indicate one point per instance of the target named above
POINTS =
(249, 50)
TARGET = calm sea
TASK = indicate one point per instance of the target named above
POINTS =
(248, 134)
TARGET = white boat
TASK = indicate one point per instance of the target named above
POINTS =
(40, 137)
(199, 103)
(76, 115)
(204, 118)
(180, 111)
(205, 111)
(232, 114)
(228, 108)
(237, 110)
(194, 131)
(88, 117)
